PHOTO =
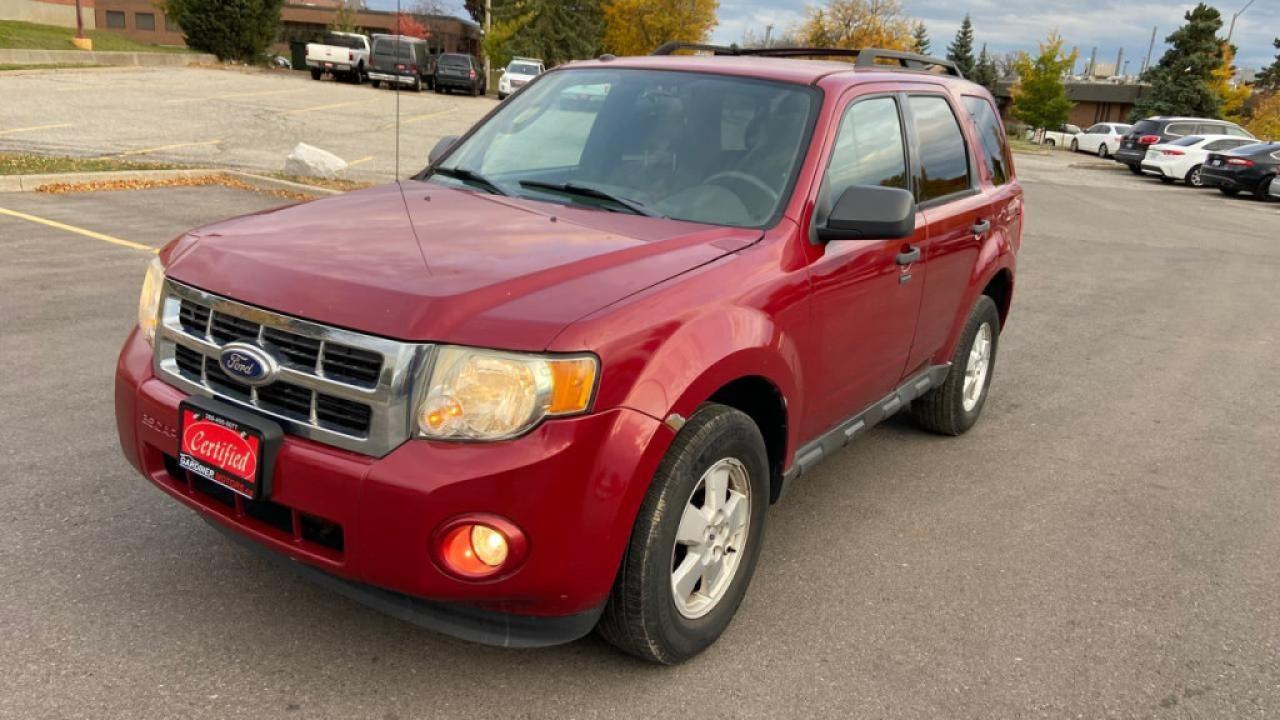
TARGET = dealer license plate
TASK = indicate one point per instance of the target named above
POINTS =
(226, 445)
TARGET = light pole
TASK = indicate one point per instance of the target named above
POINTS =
(488, 24)
(1237, 14)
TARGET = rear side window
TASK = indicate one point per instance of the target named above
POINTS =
(1238, 131)
(1122, 129)
(869, 149)
(995, 151)
(1179, 129)
(944, 162)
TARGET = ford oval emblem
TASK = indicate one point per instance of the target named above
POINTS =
(248, 364)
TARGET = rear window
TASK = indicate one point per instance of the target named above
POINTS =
(455, 61)
(342, 41)
(388, 48)
(995, 152)
(1122, 129)
(1145, 127)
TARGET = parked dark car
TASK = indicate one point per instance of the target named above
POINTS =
(1252, 168)
(1159, 129)
(455, 71)
(401, 60)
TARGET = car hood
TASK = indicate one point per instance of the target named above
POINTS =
(424, 262)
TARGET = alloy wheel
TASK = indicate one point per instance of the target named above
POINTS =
(711, 538)
(1194, 178)
(975, 370)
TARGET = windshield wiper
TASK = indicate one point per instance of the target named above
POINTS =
(569, 188)
(470, 176)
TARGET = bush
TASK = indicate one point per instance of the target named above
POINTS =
(230, 29)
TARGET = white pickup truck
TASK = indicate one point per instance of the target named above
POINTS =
(340, 54)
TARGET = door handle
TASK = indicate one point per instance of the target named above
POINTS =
(981, 227)
(908, 256)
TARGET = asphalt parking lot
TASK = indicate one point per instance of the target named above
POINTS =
(1103, 544)
(226, 118)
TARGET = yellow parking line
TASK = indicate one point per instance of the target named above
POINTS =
(144, 151)
(299, 111)
(33, 128)
(230, 96)
(415, 118)
(364, 159)
(79, 231)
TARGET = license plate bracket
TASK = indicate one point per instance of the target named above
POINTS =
(229, 446)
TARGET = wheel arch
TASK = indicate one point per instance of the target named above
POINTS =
(763, 402)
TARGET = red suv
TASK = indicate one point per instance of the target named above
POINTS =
(553, 382)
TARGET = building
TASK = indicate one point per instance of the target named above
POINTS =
(48, 12)
(300, 22)
(1095, 102)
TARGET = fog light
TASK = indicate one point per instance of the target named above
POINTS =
(477, 547)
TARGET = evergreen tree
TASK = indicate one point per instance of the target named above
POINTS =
(984, 71)
(554, 30)
(920, 38)
(1181, 81)
(230, 29)
(960, 51)
(1039, 97)
(1269, 77)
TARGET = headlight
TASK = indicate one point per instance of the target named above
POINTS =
(149, 301)
(491, 395)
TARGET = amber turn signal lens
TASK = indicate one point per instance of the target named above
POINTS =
(573, 381)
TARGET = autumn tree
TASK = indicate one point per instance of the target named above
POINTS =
(344, 20)
(637, 27)
(1181, 81)
(407, 24)
(960, 51)
(1265, 121)
(1039, 97)
(920, 39)
(857, 24)
(1231, 96)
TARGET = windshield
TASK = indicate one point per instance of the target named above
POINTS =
(706, 148)
(522, 69)
(402, 50)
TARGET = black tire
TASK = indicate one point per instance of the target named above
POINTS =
(1229, 192)
(1103, 152)
(1075, 146)
(1166, 180)
(1263, 191)
(417, 85)
(941, 410)
(1050, 143)
(501, 97)
(375, 84)
(1193, 177)
(475, 90)
(641, 617)
(315, 74)
(1134, 169)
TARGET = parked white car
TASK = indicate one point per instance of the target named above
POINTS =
(518, 73)
(1102, 139)
(1182, 158)
(341, 54)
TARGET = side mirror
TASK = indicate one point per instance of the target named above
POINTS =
(442, 147)
(870, 212)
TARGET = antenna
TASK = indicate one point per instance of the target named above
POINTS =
(397, 47)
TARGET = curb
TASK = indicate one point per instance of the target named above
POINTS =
(23, 56)
(29, 183)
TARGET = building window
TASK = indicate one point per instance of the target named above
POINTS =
(115, 19)
(144, 21)
(171, 25)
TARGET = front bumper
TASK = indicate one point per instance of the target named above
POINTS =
(572, 485)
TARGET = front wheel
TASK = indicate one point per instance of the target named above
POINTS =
(1194, 178)
(954, 406)
(1263, 191)
(375, 84)
(315, 74)
(1075, 146)
(695, 541)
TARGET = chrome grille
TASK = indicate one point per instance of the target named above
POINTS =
(335, 386)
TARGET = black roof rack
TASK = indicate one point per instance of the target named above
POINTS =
(865, 57)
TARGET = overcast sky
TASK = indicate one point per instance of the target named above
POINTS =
(1018, 24)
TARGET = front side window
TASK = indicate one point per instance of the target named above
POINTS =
(869, 150)
(1095, 130)
(944, 161)
(706, 148)
(995, 150)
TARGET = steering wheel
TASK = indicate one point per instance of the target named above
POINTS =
(738, 181)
